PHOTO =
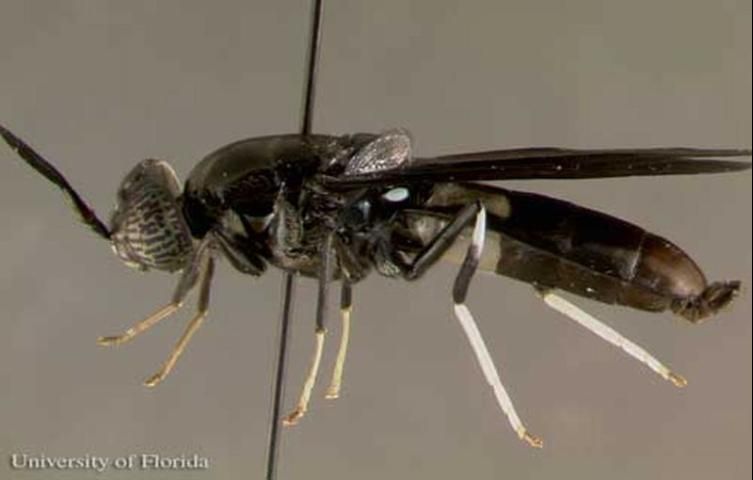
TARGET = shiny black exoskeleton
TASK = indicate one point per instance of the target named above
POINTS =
(274, 200)
(259, 196)
(338, 207)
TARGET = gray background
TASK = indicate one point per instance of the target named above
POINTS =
(98, 86)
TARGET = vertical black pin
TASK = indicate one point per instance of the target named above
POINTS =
(288, 284)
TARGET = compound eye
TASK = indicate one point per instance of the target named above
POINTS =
(148, 228)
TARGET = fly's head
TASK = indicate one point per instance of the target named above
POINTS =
(147, 227)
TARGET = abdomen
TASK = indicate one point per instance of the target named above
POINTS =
(551, 243)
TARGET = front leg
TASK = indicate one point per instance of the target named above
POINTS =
(199, 271)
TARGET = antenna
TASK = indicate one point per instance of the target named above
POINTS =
(288, 282)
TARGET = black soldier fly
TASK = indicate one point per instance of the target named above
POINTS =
(338, 207)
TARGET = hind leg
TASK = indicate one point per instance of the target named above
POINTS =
(464, 316)
(472, 214)
(610, 335)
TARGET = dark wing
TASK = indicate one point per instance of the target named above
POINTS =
(50, 173)
(550, 163)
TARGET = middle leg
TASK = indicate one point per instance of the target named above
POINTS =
(325, 277)
(346, 307)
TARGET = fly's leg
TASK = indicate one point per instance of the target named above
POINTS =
(463, 314)
(441, 242)
(193, 325)
(610, 335)
(186, 283)
(325, 276)
(346, 307)
(145, 324)
(300, 410)
(436, 248)
(352, 270)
